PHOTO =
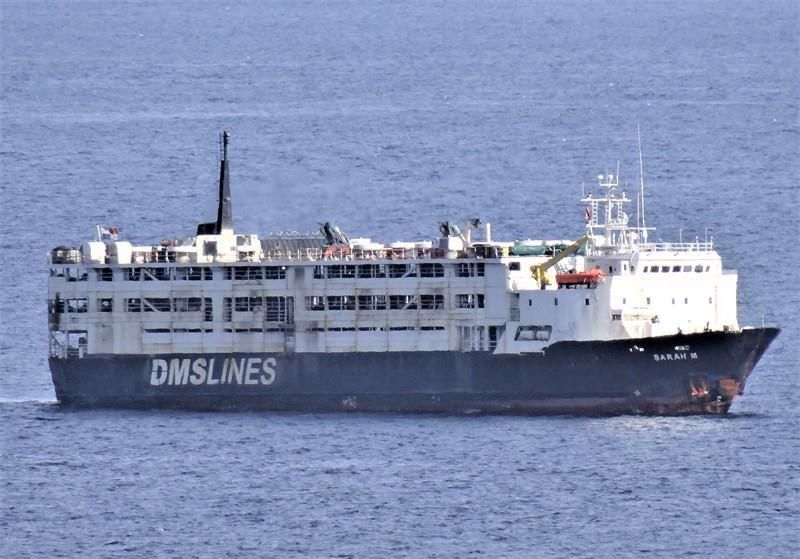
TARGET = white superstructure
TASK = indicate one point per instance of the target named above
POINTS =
(225, 292)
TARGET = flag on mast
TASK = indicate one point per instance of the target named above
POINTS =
(107, 233)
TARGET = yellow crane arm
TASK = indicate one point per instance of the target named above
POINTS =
(538, 271)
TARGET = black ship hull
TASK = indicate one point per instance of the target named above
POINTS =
(673, 375)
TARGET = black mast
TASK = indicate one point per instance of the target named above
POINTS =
(224, 214)
(224, 221)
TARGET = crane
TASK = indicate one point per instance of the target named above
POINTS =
(538, 271)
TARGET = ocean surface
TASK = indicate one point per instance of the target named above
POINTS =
(385, 118)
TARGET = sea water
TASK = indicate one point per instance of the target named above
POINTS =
(386, 118)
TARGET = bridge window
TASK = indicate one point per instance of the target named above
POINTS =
(676, 268)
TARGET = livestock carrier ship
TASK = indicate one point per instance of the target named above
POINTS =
(606, 324)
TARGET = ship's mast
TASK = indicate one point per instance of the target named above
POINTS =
(643, 226)
(613, 229)
(224, 212)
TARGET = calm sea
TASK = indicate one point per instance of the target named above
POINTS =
(387, 117)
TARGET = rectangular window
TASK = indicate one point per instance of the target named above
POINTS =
(665, 268)
(156, 304)
(586, 301)
(429, 270)
(687, 268)
(469, 301)
(372, 302)
(337, 271)
(470, 269)
(195, 273)
(398, 270)
(227, 309)
(315, 303)
(104, 274)
(402, 302)
(513, 266)
(156, 274)
(370, 271)
(275, 272)
(275, 309)
(533, 333)
(208, 309)
(133, 274)
(247, 304)
(187, 304)
(76, 305)
(105, 305)
(676, 268)
(341, 303)
(431, 302)
(133, 305)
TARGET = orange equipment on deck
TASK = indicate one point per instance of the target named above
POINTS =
(589, 278)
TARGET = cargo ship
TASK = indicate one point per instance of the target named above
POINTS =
(609, 323)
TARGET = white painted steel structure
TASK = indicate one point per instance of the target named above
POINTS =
(226, 292)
